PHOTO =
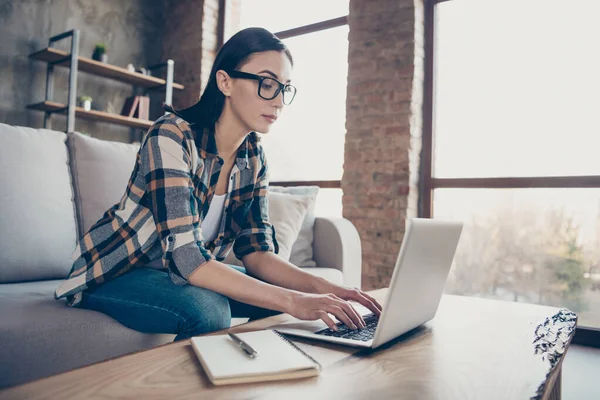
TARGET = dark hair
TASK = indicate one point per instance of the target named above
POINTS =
(230, 57)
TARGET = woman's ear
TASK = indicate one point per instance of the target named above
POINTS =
(224, 82)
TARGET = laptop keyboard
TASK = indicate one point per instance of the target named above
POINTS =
(364, 334)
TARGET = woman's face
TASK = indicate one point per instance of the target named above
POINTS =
(254, 112)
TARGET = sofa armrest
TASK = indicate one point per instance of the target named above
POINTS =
(337, 245)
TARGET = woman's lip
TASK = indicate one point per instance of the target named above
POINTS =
(270, 118)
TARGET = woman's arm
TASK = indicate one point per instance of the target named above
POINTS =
(220, 278)
(273, 269)
(228, 281)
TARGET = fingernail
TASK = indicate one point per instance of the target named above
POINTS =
(335, 328)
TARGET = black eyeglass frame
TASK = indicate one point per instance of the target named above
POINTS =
(261, 79)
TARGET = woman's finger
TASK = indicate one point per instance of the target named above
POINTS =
(375, 302)
(365, 301)
(341, 316)
(351, 311)
(327, 319)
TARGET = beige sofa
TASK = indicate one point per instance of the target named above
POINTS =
(52, 188)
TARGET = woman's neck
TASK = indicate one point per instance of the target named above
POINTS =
(229, 134)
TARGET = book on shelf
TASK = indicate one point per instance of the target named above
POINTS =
(137, 107)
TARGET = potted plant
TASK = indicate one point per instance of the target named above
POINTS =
(85, 102)
(100, 53)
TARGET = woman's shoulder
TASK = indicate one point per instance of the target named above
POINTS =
(171, 125)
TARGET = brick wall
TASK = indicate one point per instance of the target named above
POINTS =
(183, 44)
(190, 39)
(383, 123)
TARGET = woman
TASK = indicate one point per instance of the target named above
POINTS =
(153, 262)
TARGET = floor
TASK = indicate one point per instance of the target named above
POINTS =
(581, 373)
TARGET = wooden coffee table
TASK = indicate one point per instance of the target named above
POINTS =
(473, 349)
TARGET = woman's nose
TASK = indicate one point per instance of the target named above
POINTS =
(278, 100)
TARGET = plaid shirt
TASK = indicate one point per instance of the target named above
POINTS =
(167, 197)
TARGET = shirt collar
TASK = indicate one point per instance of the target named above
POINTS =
(207, 146)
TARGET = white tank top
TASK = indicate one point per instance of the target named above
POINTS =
(210, 224)
(212, 220)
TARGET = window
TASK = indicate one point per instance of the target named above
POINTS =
(517, 88)
(315, 123)
(531, 245)
(514, 149)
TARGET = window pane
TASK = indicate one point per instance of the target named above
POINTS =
(280, 15)
(517, 88)
(307, 142)
(529, 245)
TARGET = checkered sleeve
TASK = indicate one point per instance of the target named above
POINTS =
(258, 234)
(166, 163)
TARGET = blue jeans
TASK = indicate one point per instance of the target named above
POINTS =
(146, 300)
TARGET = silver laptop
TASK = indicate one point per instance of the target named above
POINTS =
(414, 293)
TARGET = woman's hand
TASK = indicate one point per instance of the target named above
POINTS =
(310, 306)
(324, 286)
(357, 295)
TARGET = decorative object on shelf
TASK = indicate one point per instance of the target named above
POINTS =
(143, 71)
(110, 107)
(85, 102)
(130, 67)
(137, 107)
(100, 53)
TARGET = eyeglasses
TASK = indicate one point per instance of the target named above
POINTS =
(268, 88)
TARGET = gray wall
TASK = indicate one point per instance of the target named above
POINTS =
(131, 29)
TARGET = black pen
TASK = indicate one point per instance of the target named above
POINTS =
(250, 352)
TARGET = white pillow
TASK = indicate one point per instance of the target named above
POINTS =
(286, 213)
(302, 250)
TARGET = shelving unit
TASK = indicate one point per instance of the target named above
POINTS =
(75, 63)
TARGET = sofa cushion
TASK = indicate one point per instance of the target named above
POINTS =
(286, 213)
(101, 170)
(37, 221)
(302, 250)
(41, 336)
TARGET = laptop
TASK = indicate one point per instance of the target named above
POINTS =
(414, 293)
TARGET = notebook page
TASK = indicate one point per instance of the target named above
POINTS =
(224, 358)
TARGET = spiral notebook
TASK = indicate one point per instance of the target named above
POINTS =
(278, 358)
